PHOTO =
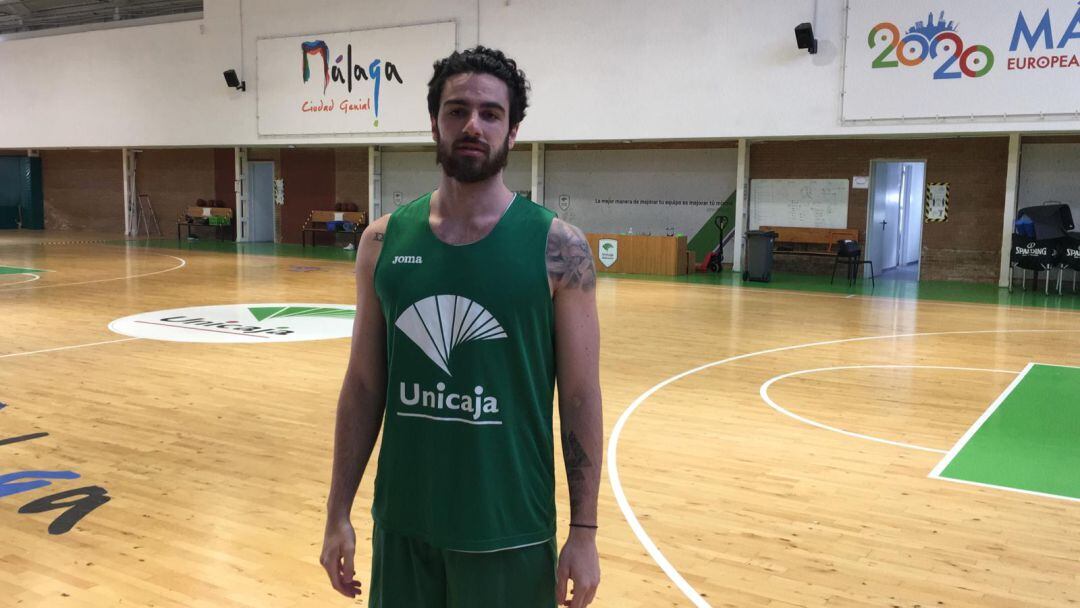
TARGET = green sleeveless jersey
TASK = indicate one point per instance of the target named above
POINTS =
(467, 456)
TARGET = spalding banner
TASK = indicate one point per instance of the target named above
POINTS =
(370, 81)
(961, 59)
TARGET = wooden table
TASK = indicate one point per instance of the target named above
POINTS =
(637, 254)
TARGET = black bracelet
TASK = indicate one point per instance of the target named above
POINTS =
(584, 526)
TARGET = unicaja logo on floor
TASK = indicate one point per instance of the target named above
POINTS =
(241, 323)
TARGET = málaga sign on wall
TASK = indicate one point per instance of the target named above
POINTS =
(961, 59)
(369, 81)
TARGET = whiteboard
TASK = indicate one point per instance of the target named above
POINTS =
(805, 203)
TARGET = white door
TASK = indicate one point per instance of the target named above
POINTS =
(262, 201)
(883, 217)
(915, 186)
(890, 224)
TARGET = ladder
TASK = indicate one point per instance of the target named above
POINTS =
(146, 215)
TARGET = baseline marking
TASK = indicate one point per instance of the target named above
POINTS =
(818, 294)
(991, 486)
(613, 442)
(35, 277)
(182, 263)
(764, 392)
(59, 348)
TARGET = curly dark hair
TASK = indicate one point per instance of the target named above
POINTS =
(481, 60)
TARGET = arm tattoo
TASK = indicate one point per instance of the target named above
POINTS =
(569, 260)
(576, 463)
(378, 236)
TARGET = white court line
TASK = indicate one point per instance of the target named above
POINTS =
(936, 473)
(1018, 490)
(1057, 365)
(182, 261)
(764, 392)
(36, 277)
(613, 442)
(59, 348)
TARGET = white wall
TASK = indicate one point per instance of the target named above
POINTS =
(600, 70)
(412, 174)
(158, 84)
(1050, 172)
(647, 191)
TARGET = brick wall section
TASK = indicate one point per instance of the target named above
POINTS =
(175, 179)
(968, 246)
(1050, 139)
(647, 145)
(351, 176)
(225, 176)
(83, 190)
(270, 154)
(310, 184)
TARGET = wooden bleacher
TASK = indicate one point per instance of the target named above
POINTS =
(200, 216)
(320, 221)
(809, 241)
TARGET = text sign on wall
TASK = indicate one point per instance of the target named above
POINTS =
(961, 58)
(370, 81)
(641, 191)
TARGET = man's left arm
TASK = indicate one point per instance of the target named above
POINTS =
(572, 276)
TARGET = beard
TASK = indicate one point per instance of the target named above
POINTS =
(470, 169)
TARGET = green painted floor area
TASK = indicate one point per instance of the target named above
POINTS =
(1029, 441)
(943, 291)
(14, 270)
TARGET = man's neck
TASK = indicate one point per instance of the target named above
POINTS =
(461, 202)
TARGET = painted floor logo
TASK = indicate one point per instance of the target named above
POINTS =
(241, 323)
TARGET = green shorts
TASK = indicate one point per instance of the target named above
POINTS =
(409, 573)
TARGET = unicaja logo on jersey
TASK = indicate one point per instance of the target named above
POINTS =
(438, 325)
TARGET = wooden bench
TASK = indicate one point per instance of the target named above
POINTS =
(809, 241)
(319, 221)
(200, 216)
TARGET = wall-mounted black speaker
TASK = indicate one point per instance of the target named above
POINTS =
(804, 37)
(233, 81)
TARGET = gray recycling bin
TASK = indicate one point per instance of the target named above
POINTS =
(759, 255)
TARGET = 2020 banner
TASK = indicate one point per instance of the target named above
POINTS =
(961, 59)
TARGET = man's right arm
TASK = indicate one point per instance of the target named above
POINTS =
(359, 414)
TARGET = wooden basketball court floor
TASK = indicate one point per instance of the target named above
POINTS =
(216, 458)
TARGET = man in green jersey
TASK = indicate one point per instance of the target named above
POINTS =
(471, 302)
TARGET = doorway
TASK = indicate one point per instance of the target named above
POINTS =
(894, 218)
(262, 201)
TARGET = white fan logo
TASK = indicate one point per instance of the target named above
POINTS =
(438, 324)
